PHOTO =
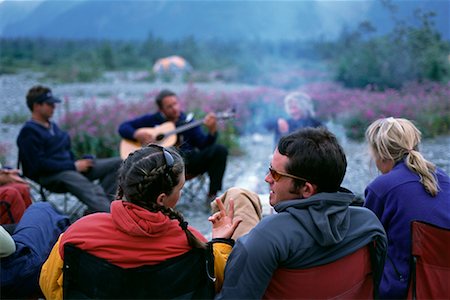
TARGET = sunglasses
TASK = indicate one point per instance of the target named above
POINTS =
(276, 175)
(167, 156)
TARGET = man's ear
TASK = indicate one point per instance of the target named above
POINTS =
(308, 190)
(161, 198)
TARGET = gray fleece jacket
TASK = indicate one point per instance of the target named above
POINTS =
(305, 233)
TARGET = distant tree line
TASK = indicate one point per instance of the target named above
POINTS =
(408, 53)
(85, 60)
(358, 58)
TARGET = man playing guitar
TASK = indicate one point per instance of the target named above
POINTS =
(199, 149)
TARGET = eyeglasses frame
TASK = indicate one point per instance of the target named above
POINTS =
(279, 174)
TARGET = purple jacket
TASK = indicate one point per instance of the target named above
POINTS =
(398, 198)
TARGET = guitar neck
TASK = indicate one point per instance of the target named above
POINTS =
(192, 125)
(184, 127)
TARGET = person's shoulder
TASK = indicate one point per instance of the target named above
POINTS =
(145, 116)
(381, 185)
(28, 127)
(197, 234)
(183, 116)
(442, 175)
(273, 224)
(316, 122)
(398, 175)
(90, 221)
(364, 211)
(54, 124)
(363, 216)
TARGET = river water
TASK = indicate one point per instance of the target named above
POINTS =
(247, 170)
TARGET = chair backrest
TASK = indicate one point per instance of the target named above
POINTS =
(350, 277)
(35, 187)
(430, 269)
(89, 277)
(46, 195)
(6, 215)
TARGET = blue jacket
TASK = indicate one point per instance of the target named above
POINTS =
(294, 125)
(304, 233)
(191, 139)
(44, 151)
(398, 198)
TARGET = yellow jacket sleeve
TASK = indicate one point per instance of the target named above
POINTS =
(221, 251)
(51, 278)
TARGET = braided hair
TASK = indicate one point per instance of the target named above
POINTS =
(147, 173)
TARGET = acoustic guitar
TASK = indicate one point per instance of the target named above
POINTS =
(165, 134)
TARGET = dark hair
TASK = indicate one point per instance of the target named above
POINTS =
(145, 174)
(34, 93)
(163, 94)
(315, 154)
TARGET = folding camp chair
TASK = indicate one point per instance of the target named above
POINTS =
(37, 190)
(89, 277)
(430, 270)
(350, 277)
(5, 209)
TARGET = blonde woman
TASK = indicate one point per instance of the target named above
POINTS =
(409, 188)
(300, 110)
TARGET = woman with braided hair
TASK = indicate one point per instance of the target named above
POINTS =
(409, 188)
(144, 229)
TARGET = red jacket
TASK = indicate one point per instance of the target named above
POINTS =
(129, 236)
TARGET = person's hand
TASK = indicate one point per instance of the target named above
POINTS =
(283, 126)
(210, 122)
(143, 136)
(83, 165)
(10, 176)
(223, 223)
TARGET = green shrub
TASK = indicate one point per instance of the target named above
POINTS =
(4, 151)
(408, 53)
(15, 118)
(74, 73)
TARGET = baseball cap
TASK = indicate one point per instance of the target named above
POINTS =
(46, 97)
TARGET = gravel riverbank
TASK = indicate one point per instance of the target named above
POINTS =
(247, 170)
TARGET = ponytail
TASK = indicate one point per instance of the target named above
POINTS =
(397, 139)
(425, 169)
(193, 241)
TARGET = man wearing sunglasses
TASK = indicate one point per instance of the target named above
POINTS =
(315, 223)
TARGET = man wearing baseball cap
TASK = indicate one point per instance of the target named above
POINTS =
(46, 157)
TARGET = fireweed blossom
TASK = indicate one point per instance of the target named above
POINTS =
(427, 104)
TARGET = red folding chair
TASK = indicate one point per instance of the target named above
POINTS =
(430, 270)
(350, 277)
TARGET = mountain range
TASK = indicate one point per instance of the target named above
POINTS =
(202, 19)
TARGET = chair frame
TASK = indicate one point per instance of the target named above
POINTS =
(46, 193)
(412, 287)
(7, 207)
